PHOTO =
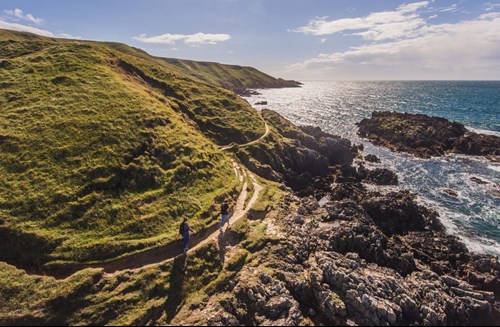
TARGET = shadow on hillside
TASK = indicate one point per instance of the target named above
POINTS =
(176, 290)
(221, 241)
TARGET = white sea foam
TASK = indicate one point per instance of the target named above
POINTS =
(483, 131)
(474, 243)
(495, 168)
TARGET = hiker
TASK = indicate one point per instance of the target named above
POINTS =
(224, 211)
(184, 230)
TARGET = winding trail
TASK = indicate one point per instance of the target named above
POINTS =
(169, 252)
(266, 133)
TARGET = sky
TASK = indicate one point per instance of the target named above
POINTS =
(292, 39)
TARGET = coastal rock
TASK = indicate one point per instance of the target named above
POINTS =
(257, 299)
(306, 154)
(478, 180)
(449, 192)
(364, 258)
(397, 213)
(338, 150)
(245, 92)
(378, 176)
(372, 158)
(425, 136)
(477, 144)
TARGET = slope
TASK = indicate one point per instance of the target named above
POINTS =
(232, 77)
(103, 152)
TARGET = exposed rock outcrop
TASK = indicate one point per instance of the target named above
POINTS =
(365, 258)
(425, 136)
(296, 155)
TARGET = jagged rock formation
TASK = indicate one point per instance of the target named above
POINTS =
(296, 155)
(363, 259)
(425, 136)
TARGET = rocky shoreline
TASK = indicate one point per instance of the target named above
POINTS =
(365, 256)
(425, 136)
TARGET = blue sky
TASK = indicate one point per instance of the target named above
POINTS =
(297, 39)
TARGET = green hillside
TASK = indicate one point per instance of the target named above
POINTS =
(232, 77)
(103, 150)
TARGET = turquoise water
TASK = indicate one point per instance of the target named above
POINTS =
(336, 106)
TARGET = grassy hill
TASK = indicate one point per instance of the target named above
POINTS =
(104, 149)
(232, 77)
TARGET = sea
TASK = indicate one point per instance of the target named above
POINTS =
(336, 107)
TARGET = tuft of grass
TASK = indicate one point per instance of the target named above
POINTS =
(270, 196)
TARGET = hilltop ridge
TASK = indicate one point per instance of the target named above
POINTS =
(232, 77)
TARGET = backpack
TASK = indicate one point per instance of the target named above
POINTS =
(182, 227)
(224, 208)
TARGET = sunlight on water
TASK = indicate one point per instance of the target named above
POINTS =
(338, 106)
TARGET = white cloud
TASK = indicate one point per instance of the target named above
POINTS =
(378, 26)
(24, 28)
(191, 39)
(489, 6)
(68, 36)
(12, 22)
(433, 16)
(452, 8)
(18, 14)
(323, 40)
(444, 51)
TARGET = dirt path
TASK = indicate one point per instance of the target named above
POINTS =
(227, 147)
(169, 252)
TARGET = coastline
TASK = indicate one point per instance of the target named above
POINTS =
(352, 250)
(424, 176)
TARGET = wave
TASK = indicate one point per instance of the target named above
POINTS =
(483, 131)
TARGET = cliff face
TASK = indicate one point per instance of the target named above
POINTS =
(298, 156)
(367, 255)
(363, 259)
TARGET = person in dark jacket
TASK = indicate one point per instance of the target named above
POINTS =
(184, 230)
(224, 211)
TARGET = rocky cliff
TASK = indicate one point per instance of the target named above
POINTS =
(367, 255)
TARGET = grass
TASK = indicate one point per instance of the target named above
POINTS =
(231, 77)
(103, 150)
(99, 158)
(91, 298)
(270, 196)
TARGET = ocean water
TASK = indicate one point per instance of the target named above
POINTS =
(336, 106)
